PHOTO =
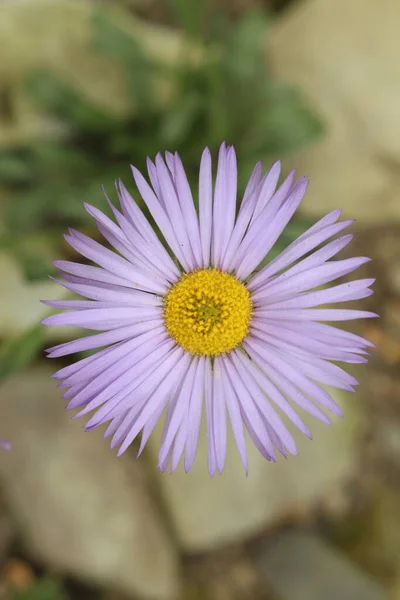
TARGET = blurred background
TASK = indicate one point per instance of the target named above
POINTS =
(88, 87)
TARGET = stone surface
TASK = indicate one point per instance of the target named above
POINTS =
(395, 589)
(210, 512)
(392, 318)
(387, 436)
(20, 306)
(58, 35)
(7, 531)
(375, 542)
(342, 55)
(300, 566)
(80, 510)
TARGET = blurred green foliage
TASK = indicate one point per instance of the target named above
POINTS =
(43, 589)
(227, 95)
(19, 352)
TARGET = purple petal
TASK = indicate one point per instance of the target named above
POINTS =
(270, 415)
(132, 405)
(119, 378)
(268, 187)
(353, 290)
(104, 318)
(161, 397)
(131, 245)
(272, 231)
(114, 263)
(114, 294)
(153, 176)
(205, 206)
(111, 357)
(318, 314)
(272, 392)
(174, 211)
(194, 415)
(179, 443)
(301, 381)
(134, 216)
(209, 410)
(288, 285)
(298, 248)
(79, 304)
(188, 210)
(265, 218)
(102, 339)
(249, 409)
(294, 342)
(93, 273)
(285, 385)
(219, 416)
(181, 408)
(152, 422)
(218, 215)
(160, 216)
(252, 184)
(235, 416)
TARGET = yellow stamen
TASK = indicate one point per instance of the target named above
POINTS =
(208, 312)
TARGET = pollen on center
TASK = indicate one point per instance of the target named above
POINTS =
(208, 312)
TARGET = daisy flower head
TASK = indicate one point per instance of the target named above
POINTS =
(188, 326)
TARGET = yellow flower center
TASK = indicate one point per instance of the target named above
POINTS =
(208, 312)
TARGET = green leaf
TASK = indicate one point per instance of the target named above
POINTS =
(54, 161)
(287, 123)
(37, 209)
(44, 589)
(34, 267)
(14, 169)
(179, 120)
(61, 100)
(246, 51)
(109, 38)
(57, 205)
(19, 352)
(189, 14)
(34, 252)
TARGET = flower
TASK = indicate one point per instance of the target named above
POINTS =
(193, 322)
(4, 444)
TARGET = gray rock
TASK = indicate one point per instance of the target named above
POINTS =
(387, 434)
(7, 531)
(210, 512)
(342, 55)
(300, 566)
(392, 318)
(20, 306)
(395, 588)
(80, 510)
